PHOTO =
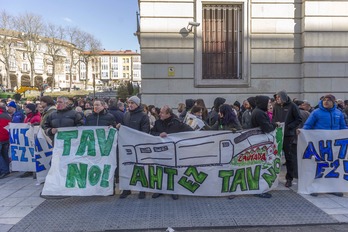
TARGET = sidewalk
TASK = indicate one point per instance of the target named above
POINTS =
(20, 196)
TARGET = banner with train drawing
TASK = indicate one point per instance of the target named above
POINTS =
(202, 163)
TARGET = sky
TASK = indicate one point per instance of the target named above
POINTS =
(112, 22)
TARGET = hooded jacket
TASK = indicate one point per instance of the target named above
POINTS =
(259, 117)
(325, 119)
(213, 115)
(246, 117)
(137, 120)
(288, 113)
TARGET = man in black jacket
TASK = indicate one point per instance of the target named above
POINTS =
(116, 110)
(136, 119)
(65, 116)
(167, 124)
(287, 111)
(100, 116)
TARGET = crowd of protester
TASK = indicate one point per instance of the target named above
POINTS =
(255, 111)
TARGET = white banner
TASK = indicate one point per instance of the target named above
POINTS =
(22, 147)
(83, 162)
(202, 163)
(43, 154)
(322, 161)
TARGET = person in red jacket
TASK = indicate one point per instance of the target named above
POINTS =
(32, 116)
(5, 119)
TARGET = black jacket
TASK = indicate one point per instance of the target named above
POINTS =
(62, 118)
(117, 113)
(103, 118)
(288, 112)
(137, 120)
(259, 117)
(169, 125)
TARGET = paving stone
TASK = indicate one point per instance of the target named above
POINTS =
(112, 213)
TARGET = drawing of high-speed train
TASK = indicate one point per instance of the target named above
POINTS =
(209, 150)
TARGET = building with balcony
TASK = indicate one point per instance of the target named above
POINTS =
(59, 64)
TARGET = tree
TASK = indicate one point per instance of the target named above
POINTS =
(31, 28)
(7, 39)
(72, 34)
(54, 41)
(89, 47)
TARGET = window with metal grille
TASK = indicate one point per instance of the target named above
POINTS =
(222, 41)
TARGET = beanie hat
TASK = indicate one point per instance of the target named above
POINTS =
(237, 103)
(331, 97)
(31, 107)
(12, 104)
(134, 99)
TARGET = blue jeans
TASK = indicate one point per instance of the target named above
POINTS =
(4, 159)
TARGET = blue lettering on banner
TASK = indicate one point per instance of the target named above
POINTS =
(324, 159)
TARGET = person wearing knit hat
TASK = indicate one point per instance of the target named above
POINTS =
(12, 104)
(134, 99)
(17, 115)
(32, 116)
(136, 119)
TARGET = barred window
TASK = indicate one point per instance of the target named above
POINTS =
(222, 27)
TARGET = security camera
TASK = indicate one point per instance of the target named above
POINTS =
(194, 24)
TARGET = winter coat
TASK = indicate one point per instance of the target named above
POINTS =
(18, 117)
(259, 117)
(5, 119)
(33, 117)
(213, 115)
(288, 112)
(62, 118)
(103, 118)
(117, 113)
(325, 119)
(246, 119)
(169, 125)
(137, 120)
(232, 126)
(47, 111)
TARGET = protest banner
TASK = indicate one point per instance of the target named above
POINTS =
(43, 154)
(83, 162)
(201, 163)
(22, 147)
(322, 161)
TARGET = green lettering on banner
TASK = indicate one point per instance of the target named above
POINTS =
(225, 175)
(270, 178)
(276, 165)
(155, 177)
(138, 175)
(94, 174)
(171, 172)
(189, 184)
(78, 174)
(67, 136)
(105, 177)
(87, 141)
(239, 179)
(105, 145)
(253, 181)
